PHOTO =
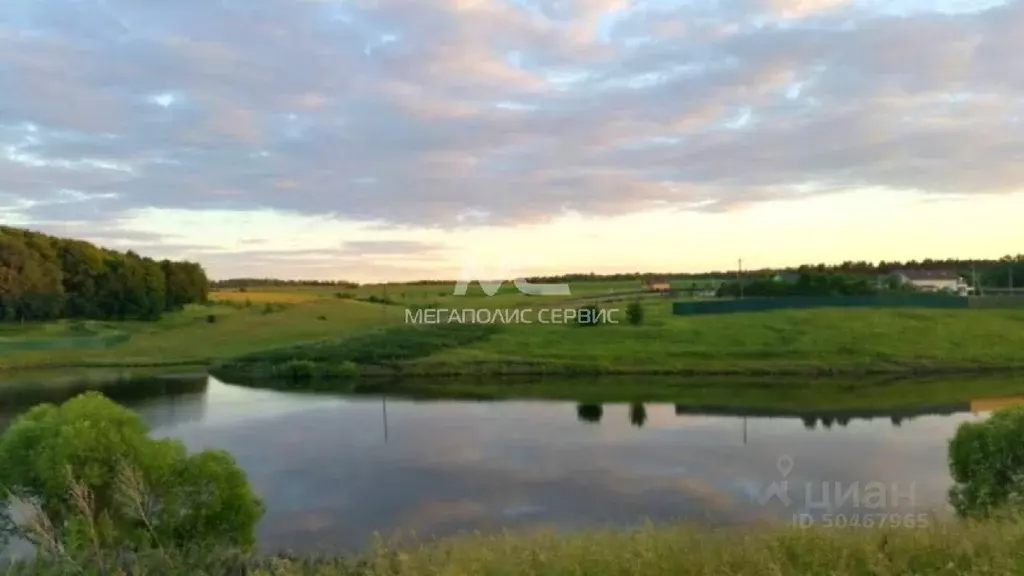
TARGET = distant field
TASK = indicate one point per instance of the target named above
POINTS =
(418, 293)
(263, 296)
(189, 338)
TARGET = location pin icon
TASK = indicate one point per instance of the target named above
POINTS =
(785, 465)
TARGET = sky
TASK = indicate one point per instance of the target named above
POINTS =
(374, 140)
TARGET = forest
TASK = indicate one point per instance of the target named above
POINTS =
(43, 277)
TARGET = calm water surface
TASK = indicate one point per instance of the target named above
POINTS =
(334, 469)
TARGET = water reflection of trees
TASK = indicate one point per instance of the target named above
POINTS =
(827, 420)
(183, 392)
(638, 414)
(592, 413)
(589, 413)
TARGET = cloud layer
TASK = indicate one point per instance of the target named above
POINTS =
(445, 113)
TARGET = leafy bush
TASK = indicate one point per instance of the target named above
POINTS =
(297, 370)
(97, 481)
(635, 313)
(374, 299)
(271, 307)
(986, 461)
(211, 319)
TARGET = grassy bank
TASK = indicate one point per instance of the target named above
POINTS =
(766, 395)
(777, 342)
(968, 548)
(340, 330)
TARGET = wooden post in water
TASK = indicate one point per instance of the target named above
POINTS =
(384, 406)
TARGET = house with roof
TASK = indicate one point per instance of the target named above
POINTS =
(786, 276)
(932, 280)
(657, 284)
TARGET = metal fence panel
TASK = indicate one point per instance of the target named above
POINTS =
(801, 302)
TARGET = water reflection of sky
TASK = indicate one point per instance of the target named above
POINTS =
(332, 475)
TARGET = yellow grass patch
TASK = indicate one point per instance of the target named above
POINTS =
(289, 297)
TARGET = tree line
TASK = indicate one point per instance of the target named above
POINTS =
(44, 277)
(272, 282)
(828, 283)
(865, 279)
(991, 273)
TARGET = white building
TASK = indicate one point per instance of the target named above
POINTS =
(933, 280)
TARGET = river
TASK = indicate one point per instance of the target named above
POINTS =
(336, 469)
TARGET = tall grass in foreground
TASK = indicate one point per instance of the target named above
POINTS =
(994, 547)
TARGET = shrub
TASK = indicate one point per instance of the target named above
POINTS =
(211, 319)
(346, 370)
(986, 461)
(97, 481)
(321, 317)
(79, 327)
(297, 370)
(374, 299)
(635, 313)
(271, 307)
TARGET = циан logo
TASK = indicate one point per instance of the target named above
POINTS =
(778, 490)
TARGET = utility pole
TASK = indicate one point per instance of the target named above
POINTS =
(739, 277)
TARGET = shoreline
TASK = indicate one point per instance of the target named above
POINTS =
(564, 369)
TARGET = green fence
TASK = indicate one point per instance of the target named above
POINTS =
(701, 307)
(997, 301)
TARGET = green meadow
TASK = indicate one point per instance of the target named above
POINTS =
(331, 330)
